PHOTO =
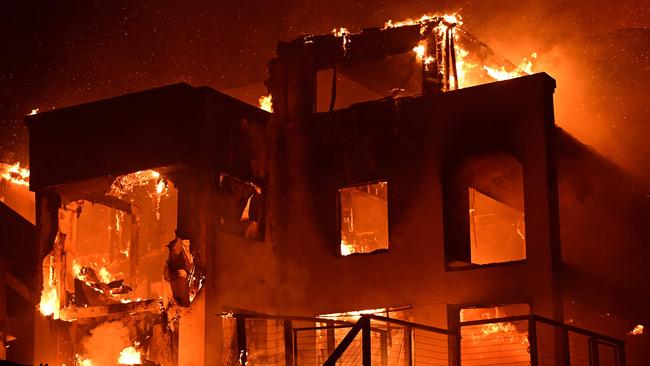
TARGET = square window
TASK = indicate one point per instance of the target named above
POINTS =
(497, 231)
(364, 218)
(243, 211)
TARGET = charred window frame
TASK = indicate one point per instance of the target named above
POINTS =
(241, 207)
(495, 181)
(371, 201)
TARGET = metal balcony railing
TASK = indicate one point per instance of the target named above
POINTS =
(536, 341)
(257, 339)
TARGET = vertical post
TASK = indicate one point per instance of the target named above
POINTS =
(454, 347)
(383, 348)
(242, 353)
(453, 340)
(288, 343)
(564, 347)
(408, 346)
(532, 341)
(331, 340)
(134, 247)
(620, 354)
(295, 347)
(365, 341)
(593, 352)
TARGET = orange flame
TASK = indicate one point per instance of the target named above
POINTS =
(266, 101)
(49, 304)
(14, 174)
(525, 67)
(126, 183)
(463, 67)
(420, 50)
(83, 361)
(347, 249)
(105, 276)
(340, 32)
(638, 330)
(129, 356)
(424, 19)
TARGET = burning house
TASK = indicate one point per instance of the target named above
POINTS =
(394, 208)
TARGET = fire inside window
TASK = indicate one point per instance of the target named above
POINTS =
(364, 218)
(497, 231)
(110, 248)
(495, 342)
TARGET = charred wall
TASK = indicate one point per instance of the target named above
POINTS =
(415, 144)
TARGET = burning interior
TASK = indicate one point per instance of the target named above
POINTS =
(213, 214)
(110, 257)
(364, 218)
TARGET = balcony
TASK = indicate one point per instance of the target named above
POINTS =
(256, 339)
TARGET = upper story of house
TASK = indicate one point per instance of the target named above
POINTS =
(438, 187)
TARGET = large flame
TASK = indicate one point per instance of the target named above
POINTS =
(129, 356)
(464, 66)
(14, 173)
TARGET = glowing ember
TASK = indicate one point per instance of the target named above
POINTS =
(129, 356)
(14, 174)
(34, 111)
(638, 330)
(266, 102)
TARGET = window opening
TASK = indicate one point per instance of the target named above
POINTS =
(243, 211)
(364, 218)
(497, 231)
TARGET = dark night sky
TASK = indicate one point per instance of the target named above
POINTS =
(62, 53)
